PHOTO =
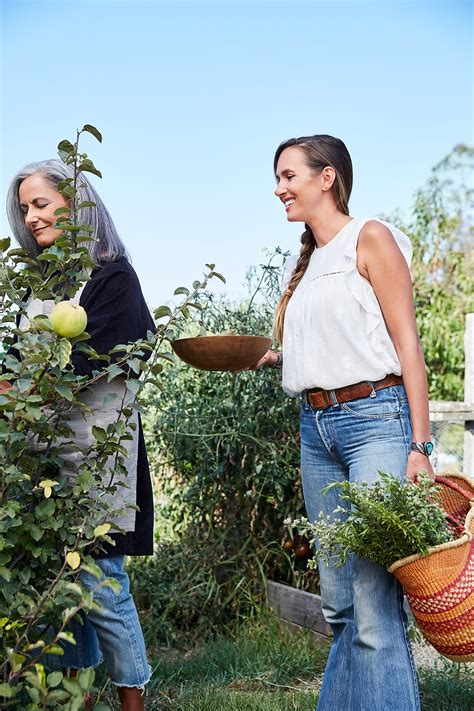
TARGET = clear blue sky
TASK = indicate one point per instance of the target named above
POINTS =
(193, 97)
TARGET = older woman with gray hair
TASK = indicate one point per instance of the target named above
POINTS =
(117, 313)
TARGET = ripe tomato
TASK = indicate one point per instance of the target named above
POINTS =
(288, 544)
(302, 551)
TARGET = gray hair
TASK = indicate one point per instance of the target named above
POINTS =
(107, 245)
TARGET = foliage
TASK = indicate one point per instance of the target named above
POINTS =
(384, 521)
(225, 450)
(49, 525)
(441, 230)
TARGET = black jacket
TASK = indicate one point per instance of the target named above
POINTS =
(117, 313)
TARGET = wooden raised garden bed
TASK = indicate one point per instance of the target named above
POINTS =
(297, 607)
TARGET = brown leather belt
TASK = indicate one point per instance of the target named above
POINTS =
(321, 399)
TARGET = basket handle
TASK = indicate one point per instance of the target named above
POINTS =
(455, 487)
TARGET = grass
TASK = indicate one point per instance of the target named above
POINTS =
(215, 699)
(262, 667)
(447, 687)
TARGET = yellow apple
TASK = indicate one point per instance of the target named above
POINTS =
(68, 320)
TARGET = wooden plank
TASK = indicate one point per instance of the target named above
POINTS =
(297, 606)
(451, 411)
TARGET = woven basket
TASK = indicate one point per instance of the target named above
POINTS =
(440, 585)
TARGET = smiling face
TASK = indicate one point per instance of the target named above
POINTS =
(298, 186)
(38, 202)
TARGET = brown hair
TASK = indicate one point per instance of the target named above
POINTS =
(320, 151)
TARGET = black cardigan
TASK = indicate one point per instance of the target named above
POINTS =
(117, 313)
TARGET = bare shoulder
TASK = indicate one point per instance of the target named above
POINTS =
(376, 241)
(376, 235)
(378, 251)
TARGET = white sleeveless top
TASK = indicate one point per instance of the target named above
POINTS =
(335, 333)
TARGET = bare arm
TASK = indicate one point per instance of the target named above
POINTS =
(380, 260)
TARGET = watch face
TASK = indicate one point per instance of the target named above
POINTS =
(429, 448)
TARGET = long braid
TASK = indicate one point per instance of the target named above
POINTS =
(308, 245)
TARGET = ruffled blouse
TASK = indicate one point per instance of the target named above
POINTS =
(335, 334)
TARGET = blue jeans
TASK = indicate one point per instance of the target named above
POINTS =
(112, 633)
(370, 665)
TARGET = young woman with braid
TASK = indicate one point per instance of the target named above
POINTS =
(351, 352)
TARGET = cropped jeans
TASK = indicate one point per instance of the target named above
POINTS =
(113, 633)
(370, 665)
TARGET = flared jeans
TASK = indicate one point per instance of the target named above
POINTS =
(370, 665)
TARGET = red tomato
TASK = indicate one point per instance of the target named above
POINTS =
(302, 551)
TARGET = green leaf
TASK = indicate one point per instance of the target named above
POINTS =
(55, 678)
(66, 146)
(113, 371)
(92, 129)
(100, 434)
(4, 243)
(68, 191)
(89, 168)
(167, 356)
(181, 290)
(133, 385)
(113, 584)
(64, 391)
(86, 203)
(219, 276)
(71, 685)
(101, 530)
(162, 311)
(134, 364)
(64, 155)
(65, 350)
(6, 690)
(5, 573)
(85, 678)
(75, 588)
(36, 532)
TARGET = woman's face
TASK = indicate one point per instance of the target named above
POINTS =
(38, 202)
(298, 187)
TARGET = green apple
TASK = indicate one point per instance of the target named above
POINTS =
(68, 320)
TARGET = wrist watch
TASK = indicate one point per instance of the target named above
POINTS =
(422, 447)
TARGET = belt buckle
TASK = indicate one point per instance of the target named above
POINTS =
(326, 398)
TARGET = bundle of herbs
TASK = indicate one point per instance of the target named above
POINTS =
(384, 521)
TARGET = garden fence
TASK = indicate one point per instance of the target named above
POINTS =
(452, 423)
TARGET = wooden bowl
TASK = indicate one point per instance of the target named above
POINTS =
(222, 352)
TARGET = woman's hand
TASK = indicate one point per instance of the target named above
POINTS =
(417, 463)
(268, 360)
